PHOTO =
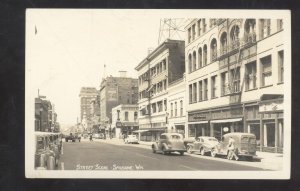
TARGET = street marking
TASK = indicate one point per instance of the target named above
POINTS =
(188, 167)
(146, 156)
(62, 166)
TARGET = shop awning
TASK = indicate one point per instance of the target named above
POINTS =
(140, 131)
(197, 122)
(226, 120)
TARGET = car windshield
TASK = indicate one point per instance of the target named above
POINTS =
(131, 136)
(213, 139)
(175, 137)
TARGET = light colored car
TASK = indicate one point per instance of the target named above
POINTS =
(202, 145)
(244, 143)
(131, 139)
(168, 143)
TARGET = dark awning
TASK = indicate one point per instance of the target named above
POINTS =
(266, 97)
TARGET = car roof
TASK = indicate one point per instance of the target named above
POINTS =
(206, 137)
(238, 134)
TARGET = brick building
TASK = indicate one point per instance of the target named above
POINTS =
(115, 91)
(161, 67)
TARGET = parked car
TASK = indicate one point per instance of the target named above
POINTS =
(131, 139)
(73, 138)
(188, 140)
(245, 145)
(47, 152)
(168, 143)
(202, 144)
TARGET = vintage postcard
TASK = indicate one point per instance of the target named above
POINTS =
(163, 94)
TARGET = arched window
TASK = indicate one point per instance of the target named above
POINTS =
(213, 49)
(234, 37)
(190, 63)
(204, 55)
(200, 57)
(223, 41)
(250, 35)
(194, 61)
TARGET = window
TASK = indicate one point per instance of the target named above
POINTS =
(279, 24)
(251, 76)
(280, 65)
(204, 25)
(190, 63)
(265, 28)
(224, 82)
(164, 64)
(194, 92)
(205, 89)
(135, 116)
(223, 43)
(171, 109)
(194, 61)
(199, 28)
(213, 50)
(266, 75)
(213, 87)
(190, 93)
(154, 108)
(193, 31)
(189, 35)
(200, 58)
(235, 76)
(204, 55)
(126, 115)
(181, 108)
(165, 84)
(200, 91)
(165, 103)
(160, 106)
(175, 109)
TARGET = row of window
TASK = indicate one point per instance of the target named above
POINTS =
(155, 70)
(154, 89)
(198, 59)
(154, 108)
(199, 90)
(174, 110)
(126, 116)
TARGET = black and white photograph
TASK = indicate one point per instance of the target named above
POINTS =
(176, 94)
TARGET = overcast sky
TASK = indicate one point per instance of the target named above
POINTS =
(67, 49)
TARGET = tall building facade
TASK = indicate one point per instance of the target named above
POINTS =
(87, 95)
(161, 67)
(235, 79)
(115, 91)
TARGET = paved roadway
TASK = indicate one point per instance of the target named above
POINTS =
(104, 156)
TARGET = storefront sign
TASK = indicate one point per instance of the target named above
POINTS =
(199, 116)
(272, 106)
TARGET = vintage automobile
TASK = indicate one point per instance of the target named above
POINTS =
(168, 143)
(245, 145)
(73, 138)
(202, 145)
(131, 139)
(48, 149)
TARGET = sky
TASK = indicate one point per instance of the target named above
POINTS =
(67, 49)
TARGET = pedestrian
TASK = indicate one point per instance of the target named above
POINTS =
(91, 137)
(231, 150)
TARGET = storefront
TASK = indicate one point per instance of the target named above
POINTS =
(216, 122)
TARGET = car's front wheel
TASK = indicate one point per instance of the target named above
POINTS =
(213, 152)
(164, 151)
(181, 153)
(189, 149)
(153, 150)
(202, 151)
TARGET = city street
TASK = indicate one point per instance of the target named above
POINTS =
(103, 155)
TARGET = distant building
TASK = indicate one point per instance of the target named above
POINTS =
(161, 67)
(115, 91)
(124, 119)
(45, 118)
(87, 95)
(95, 112)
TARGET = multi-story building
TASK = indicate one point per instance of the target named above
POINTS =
(115, 91)
(176, 106)
(124, 119)
(95, 113)
(87, 95)
(45, 117)
(235, 79)
(161, 67)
